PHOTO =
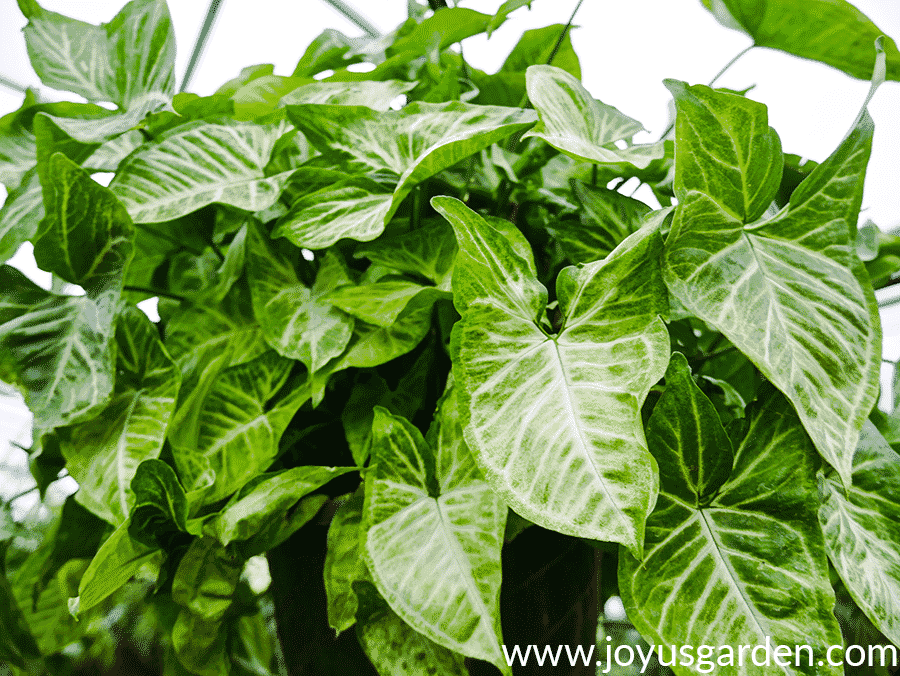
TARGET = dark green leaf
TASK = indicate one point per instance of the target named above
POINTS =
(159, 503)
(16, 642)
(344, 562)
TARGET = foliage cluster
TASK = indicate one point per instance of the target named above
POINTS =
(413, 341)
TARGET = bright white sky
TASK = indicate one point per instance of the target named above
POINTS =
(626, 50)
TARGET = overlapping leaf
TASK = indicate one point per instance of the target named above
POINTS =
(861, 534)
(428, 252)
(21, 214)
(103, 454)
(551, 411)
(413, 143)
(160, 505)
(834, 31)
(434, 530)
(786, 289)
(580, 126)
(733, 555)
(56, 349)
(196, 164)
(298, 321)
(344, 563)
(132, 55)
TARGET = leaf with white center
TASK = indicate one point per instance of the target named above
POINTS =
(21, 214)
(17, 146)
(549, 412)
(572, 121)
(734, 563)
(132, 55)
(786, 290)
(86, 236)
(344, 562)
(861, 534)
(428, 252)
(267, 499)
(110, 126)
(57, 350)
(394, 647)
(434, 531)
(235, 434)
(380, 303)
(118, 560)
(103, 454)
(373, 94)
(196, 164)
(297, 321)
(356, 208)
(413, 143)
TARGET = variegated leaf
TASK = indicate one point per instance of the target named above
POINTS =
(103, 454)
(548, 411)
(21, 214)
(732, 556)
(428, 252)
(434, 531)
(344, 563)
(861, 532)
(380, 303)
(196, 164)
(580, 126)
(786, 289)
(297, 321)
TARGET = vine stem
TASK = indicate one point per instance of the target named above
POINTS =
(724, 69)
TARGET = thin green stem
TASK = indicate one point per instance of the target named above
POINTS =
(200, 43)
(154, 292)
(354, 16)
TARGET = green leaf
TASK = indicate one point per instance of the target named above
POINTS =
(17, 145)
(21, 214)
(204, 585)
(413, 143)
(427, 252)
(786, 290)
(86, 237)
(117, 561)
(327, 52)
(344, 562)
(196, 164)
(16, 642)
(572, 121)
(299, 322)
(608, 218)
(550, 411)
(235, 433)
(103, 454)
(373, 94)
(268, 499)
(536, 47)
(442, 29)
(504, 11)
(56, 349)
(396, 648)
(159, 503)
(726, 565)
(132, 55)
(860, 527)
(834, 31)
(380, 303)
(427, 509)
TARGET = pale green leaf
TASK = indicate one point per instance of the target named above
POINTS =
(427, 252)
(548, 411)
(103, 454)
(786, 289)
(297, 321)
(117, 561)
(234, 436)
(861, 534)
(196, 164)
(381, 303)
(377, 95)
(268, 498)
(56, 349)
(834, 31)
(17, 145)
(428, 510)
(396, 648)
(132, 55)
(572, 121)
(741, 565)
(344, 562)
(86, 236)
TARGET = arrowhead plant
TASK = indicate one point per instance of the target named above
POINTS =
(421, 371)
